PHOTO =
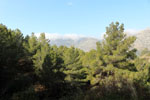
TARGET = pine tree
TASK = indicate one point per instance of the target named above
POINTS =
(73, 66)
(11, 56)
(116, 49)
(41, 53)
(31, 44)
(114, 52)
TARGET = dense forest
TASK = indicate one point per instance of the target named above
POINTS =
(33, 69)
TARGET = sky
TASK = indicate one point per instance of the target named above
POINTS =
(78, 17)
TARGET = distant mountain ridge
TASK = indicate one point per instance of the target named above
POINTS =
(143, 40)
(89, 43)
(84, 43)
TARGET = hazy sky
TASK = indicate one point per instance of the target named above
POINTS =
(85, 17)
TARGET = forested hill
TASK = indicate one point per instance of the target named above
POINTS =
(33, 69)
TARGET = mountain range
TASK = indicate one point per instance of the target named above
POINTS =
(142, 40)
(88, 43)
(83, 43)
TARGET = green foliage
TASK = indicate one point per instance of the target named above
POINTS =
(73, 66)
(28, 94)
(11, 51)
(117, 69)
(41, 53)
(116, 47)
(31, 44)
(32, 69)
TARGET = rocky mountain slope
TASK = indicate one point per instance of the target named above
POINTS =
(143, 40)
(88, 43)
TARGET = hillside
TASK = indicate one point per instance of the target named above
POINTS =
(143, 39)
(88, 43)
(84, 43)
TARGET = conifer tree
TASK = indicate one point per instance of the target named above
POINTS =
(41, 53)
(113, 53)
(116, 49)
(73, 66)
(31, 44)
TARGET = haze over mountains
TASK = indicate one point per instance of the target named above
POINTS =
(143, 39)
(84, 43)
(88, 43)
(79, 41)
